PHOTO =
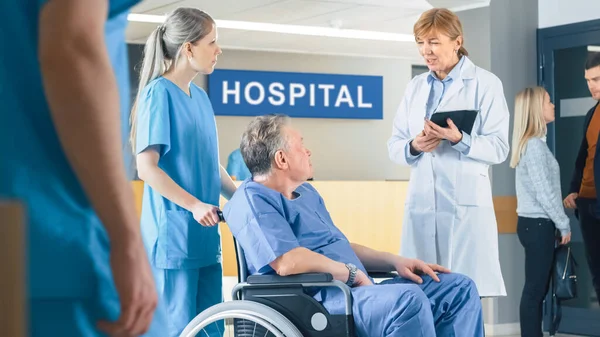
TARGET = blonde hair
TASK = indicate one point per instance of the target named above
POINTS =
(163, 48)
(443, 21)
(529, 120)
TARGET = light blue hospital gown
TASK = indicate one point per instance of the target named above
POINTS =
(267, 225)
(70, 284)
(183, 130)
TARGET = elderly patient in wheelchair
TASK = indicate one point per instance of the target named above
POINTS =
(283, 227)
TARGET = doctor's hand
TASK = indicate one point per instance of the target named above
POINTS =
(135, 286)
(412, 268)
(423, 143)
(569, 201)
(450, 133)
(205, 214)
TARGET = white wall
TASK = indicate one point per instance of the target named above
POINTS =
(341, 149)
(561, 12)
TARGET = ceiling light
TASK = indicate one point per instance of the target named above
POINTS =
(292, 29)
(594, 49)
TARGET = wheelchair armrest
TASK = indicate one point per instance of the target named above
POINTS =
(299, 278)
(382, 274)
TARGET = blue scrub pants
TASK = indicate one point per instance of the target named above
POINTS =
(401, 308)
(72, 317)
(188, 292)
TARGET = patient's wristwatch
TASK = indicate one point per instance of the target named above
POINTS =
(352, 274)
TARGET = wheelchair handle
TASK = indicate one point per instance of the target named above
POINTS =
(220, 215)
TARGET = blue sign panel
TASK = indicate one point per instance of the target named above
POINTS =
(254, 93)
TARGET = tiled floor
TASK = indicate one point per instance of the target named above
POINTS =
(559, 335)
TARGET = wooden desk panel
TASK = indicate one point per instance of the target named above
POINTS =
(367, 212)
(506, 214)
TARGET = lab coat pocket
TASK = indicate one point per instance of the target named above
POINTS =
(188, 242)
(474, 189)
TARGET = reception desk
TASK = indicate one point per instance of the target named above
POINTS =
(367, 212)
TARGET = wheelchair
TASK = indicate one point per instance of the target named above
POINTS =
(280, 306)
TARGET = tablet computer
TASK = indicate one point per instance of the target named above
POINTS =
(463, 119)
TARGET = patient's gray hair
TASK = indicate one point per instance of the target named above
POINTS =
(261, 141)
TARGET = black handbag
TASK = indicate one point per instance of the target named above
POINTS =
(564, 277)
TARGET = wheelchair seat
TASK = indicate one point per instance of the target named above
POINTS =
(289, 296)
(284, 303)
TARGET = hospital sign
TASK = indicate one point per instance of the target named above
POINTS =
(308, 95)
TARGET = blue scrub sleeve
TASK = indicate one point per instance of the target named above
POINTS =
(266, 236)
(464, 145)
(153, 124)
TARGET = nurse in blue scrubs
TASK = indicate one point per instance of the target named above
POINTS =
(174, 135)
(63, 84)
(236, 166)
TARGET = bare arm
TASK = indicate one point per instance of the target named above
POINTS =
(155, 177)
(227, 185)
(302, 260)
(82, 94)
(374, 260)
(84, 102)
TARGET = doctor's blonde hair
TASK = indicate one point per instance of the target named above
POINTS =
(163, 49)
(529, 120)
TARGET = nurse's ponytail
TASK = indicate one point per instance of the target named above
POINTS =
(153, 66)
(163, 49)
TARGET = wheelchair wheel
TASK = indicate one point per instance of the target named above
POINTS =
(241, 319)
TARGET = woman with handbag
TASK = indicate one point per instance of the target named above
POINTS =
(539, 202)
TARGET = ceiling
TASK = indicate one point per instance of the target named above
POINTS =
(395, 16)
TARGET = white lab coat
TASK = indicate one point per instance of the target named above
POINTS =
(449, 214)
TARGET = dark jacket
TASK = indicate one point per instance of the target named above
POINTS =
(582, 156)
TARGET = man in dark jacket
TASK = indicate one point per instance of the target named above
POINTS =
(585, 185)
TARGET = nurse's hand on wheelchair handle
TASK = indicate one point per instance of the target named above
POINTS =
(206, 214)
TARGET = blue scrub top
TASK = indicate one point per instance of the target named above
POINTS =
(67, 245)
(268, 225)
(184, 131)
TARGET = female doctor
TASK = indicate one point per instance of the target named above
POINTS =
(175, 140)
(449, 216)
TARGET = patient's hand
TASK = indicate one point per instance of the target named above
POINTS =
(362, 279)
(412, 268)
